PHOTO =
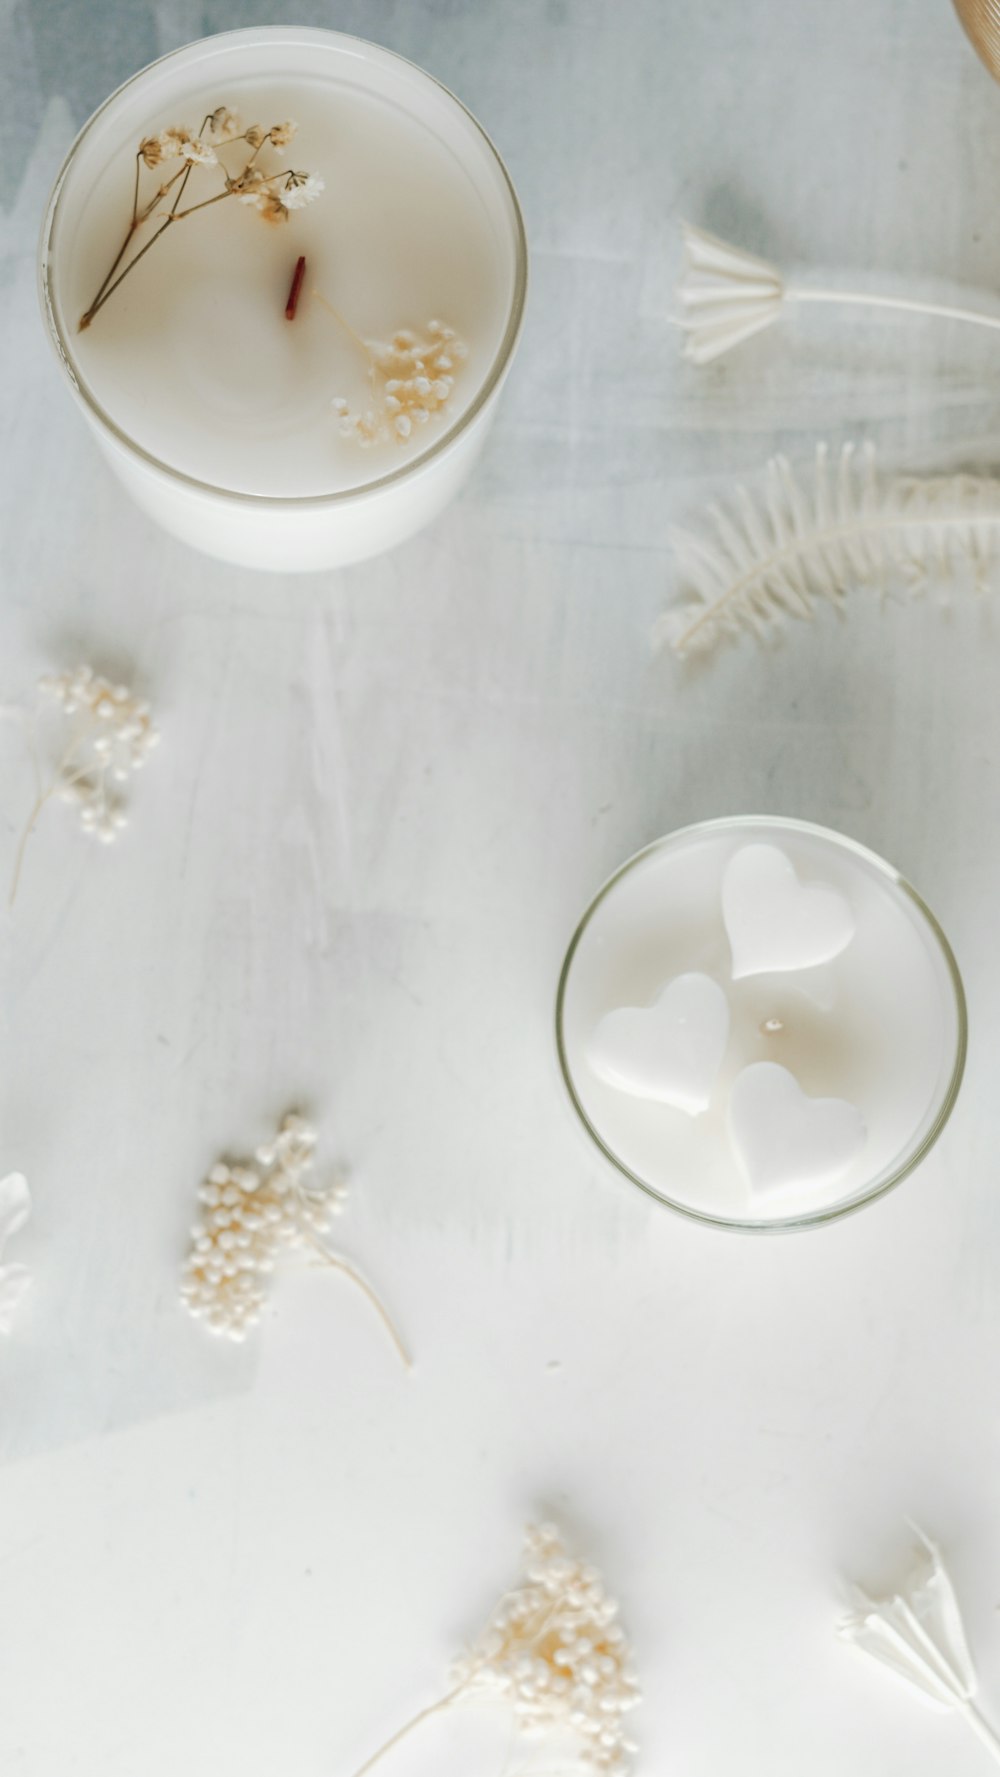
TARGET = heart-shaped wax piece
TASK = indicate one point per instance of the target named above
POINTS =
(671, 1050)
(782, 1137)
(775, 922)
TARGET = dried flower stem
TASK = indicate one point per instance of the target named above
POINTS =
(273, 194)
(863, 299)
(408, 1727)
(337, 1262)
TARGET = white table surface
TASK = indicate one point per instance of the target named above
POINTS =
(381, 801)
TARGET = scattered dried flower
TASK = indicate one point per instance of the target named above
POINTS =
(726, 295)
(765, 558)
(15, 1208)
(250, 1212)
(111, 735)
(918, 1633)
(412, 378)
(556, 1652)
(273, 194)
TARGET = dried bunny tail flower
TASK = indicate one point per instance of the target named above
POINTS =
(250, 1212)
(281, 134)
(111, 736)
(556, 1652)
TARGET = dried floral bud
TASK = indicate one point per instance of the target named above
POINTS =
(225, 125)
(246, 1215)
(281, 134)
(255, 135)
(151, 151)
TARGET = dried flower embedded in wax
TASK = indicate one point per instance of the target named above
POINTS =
(555, 1650)
(178, 152)
(107, 734)
(251, 1212)
(412, 379)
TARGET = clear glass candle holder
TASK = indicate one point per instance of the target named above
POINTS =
(880, 1027)
(396, 492)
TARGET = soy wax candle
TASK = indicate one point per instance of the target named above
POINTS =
(280, 421)
(761, 1023)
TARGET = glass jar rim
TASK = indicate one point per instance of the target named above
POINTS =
(897, 1170)
(294, 35)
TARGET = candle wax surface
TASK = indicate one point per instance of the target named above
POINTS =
(877, 1026)
(193, 358)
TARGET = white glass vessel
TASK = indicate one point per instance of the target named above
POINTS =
(878, 1028)
(216, 412)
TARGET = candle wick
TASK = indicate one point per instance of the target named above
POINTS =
(296, 289)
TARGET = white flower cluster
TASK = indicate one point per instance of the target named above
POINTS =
(249, 1212)
(275, 195)
(113, 737)
(177, 143)
(556, 1650)
(417, 378)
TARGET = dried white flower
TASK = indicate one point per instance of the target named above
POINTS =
(15, 1208)
(413, 378)
(250, 1212)
(918, 1633)
(556, 1652)
(300, 189)
(108, 735)
(281, 135)
(725, 296)
(225, 125)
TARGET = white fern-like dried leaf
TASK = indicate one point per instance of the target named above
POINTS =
(765, 557)
(918, 1633)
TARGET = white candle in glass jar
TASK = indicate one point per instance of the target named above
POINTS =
(761, 1023)
(218, 412)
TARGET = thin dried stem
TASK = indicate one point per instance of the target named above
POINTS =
(408, 1727)
(362, 344)
(338, 1263)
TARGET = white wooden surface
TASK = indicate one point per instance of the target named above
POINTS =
(380, 803)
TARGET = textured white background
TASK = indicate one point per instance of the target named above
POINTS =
(381, 801)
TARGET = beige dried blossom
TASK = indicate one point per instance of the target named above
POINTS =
(274, 194)
(413, 378)
(251, 1211)
(225, 125)
(110, 736)
(556, 1652)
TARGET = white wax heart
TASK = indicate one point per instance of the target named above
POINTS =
(775, 922)
(782, 1138)
(671, 1050)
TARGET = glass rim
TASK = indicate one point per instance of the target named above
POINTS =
(293, 34)
(897, 1170)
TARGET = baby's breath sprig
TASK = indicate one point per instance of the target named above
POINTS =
(178, 151)
(249, 1212)
(555, 1651)
(111, 735)
(411, 378)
